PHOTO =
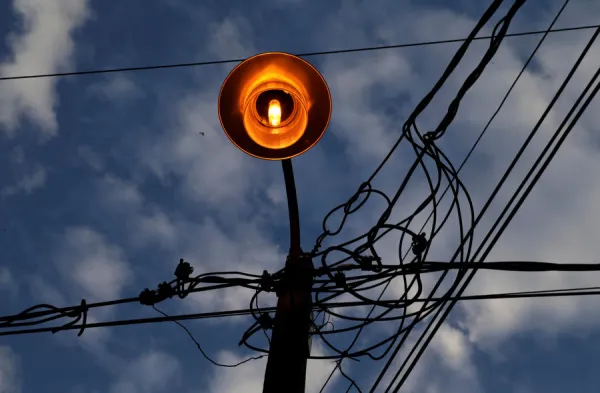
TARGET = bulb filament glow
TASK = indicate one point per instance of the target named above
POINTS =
(274, 113)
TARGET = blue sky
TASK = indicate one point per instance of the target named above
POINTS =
(107, 183)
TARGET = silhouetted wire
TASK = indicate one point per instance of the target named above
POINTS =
(353, 383)
(308, 54)
(467, 157)
(428, 149)
(366, 186)
(436, 266)
(200, 347)
(504, 99)
(337, 364)
(471, 152)
(519, 203)
(587, 291)
(390, 272)
(531, 185)
(53, 312)
(568, 292)
(72, 311)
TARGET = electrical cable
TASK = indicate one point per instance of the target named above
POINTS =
(568, 292)
(307, 54)
(573, 122)
(200, 347)
(481, 135)
(513, 212)
(428, 149)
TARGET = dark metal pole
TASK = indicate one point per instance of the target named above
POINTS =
(289, 350)
(292, 200)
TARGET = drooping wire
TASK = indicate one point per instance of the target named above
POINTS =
(519, 203)
(439, 321)
(568, 292)
(200, 347)
(426, 149)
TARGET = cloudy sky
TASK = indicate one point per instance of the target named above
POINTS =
(107, 182)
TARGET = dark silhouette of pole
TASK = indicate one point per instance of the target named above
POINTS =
(289, 349)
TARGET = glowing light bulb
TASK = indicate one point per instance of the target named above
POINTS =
(274, 113)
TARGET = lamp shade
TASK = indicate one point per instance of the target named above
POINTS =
(274, 106)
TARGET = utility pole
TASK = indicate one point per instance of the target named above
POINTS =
(289, 349)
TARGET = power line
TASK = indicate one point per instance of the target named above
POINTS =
(568, 292)
(465, 238)
(307, 54)
(420, 242)
(191, 336)
(52, 313)
(518, 204)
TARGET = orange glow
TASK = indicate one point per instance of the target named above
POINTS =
(274, 113)
(283, 134)
(277, 76)
(274, 106)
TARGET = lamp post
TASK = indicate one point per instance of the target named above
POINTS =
(276, 106)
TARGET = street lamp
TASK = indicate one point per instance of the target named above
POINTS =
(276, 106)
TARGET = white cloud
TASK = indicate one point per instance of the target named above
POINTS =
(89, 261)
(31, 176)
(17, 155)
(5, 276)
(28, 183)
(358, 91)
(90, 157)
(116, 87)
(89, 268)
(10, 381)
(146, 223)
(248, 378)
(152, 371)
(454, 348)
(122, 194)
(446, 366)
(8, 282)
(44, 44)
(212, 169)
(244, 249)
(231, 38)
(208, 246)
(244, 246)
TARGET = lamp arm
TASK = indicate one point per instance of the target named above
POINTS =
(292, 201)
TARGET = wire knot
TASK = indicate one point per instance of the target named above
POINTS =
(265, 321)
(419, 244)
(348, 208)
(79, 313)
